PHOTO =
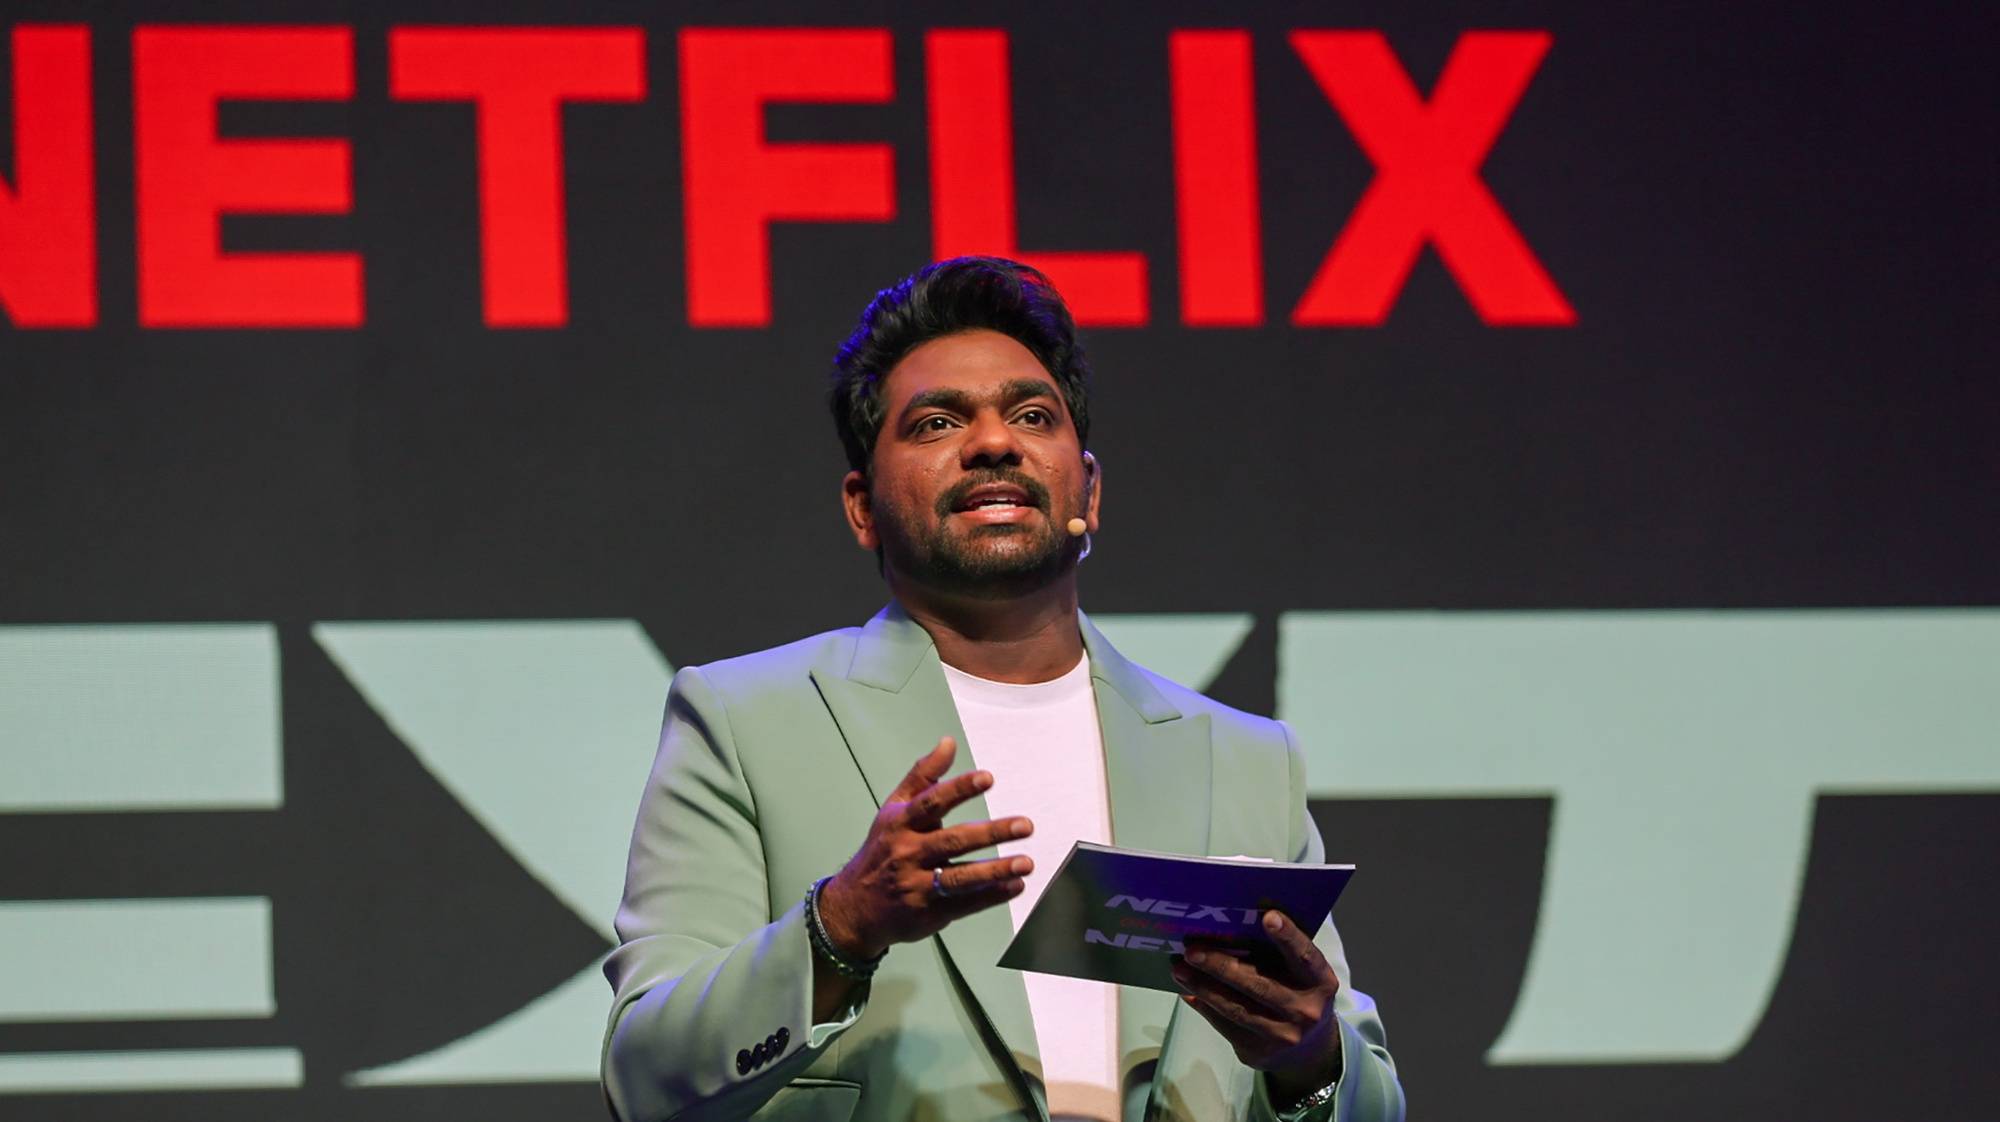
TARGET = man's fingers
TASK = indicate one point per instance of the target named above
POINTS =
(1298, 948)
(930, 806)
(1240, 976)
(978, 885)
(925, 771)
(951, 909)
(1213, 996)
(953, 841)
(978, 876)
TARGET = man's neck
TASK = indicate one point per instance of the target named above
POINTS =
(1025, 639)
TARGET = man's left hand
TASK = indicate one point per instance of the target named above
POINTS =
(1280, 1023)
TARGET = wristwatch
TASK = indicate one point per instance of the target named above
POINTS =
(1307, 1105)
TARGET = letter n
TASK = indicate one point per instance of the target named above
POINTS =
(48, 218)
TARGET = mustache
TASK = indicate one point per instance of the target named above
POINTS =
(1037, 494)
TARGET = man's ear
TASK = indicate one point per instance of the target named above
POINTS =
(1094, 490)
(858, 505)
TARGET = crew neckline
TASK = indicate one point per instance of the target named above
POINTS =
(971, 686)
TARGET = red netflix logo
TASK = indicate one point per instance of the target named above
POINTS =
(1426, 150)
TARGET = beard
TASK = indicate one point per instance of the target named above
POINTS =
(995, 561)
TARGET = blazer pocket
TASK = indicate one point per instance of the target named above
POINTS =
(812, 1100)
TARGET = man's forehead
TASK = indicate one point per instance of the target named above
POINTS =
(982, 364)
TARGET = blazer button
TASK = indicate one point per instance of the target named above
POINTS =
(743, 1061)
(761, 1053)
(784, 1038)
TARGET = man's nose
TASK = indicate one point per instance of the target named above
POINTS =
(990, 439)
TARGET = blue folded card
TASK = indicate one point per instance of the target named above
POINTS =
(1119, 915)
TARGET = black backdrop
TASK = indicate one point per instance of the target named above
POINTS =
(1775, 226)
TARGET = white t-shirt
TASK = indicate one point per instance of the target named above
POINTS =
(1042, 744)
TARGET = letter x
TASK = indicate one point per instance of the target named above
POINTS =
(1427, 186)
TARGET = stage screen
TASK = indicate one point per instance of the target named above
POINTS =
(1576, 421)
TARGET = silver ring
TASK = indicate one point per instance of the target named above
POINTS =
(937, 883)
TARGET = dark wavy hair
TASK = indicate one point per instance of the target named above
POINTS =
(959, 294)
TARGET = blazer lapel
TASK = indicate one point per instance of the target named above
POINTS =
(1157, 769)
(892, 706)
(893, 703)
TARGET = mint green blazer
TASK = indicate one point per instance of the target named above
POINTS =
(771, 767)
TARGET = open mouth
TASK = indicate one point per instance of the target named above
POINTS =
(995, 502)
(995, 497)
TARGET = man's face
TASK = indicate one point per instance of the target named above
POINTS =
(977, 470)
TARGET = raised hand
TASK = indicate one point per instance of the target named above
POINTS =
(901, 886)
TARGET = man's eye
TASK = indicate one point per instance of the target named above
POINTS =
(926, 426)
(1040, 416)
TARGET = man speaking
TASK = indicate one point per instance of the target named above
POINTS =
(841, 835)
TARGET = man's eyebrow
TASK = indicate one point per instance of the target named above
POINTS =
(1011, 392)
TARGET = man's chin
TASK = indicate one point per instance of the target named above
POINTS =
(995, 573)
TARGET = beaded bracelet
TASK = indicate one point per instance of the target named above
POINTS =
(816, 931)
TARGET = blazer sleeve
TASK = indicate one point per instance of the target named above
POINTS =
(713, 998)
(1368, 1089)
